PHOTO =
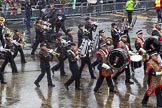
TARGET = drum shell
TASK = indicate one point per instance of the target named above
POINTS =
(136, 64)
(123, 57)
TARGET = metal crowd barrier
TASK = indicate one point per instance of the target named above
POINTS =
(83, 9)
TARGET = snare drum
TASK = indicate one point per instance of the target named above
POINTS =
(118, 59)
(136, 61)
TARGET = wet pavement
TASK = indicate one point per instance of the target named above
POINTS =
(20, 91)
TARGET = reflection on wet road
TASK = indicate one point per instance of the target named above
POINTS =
(20, 91)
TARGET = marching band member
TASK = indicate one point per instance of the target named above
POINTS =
(90, 26)
(8, 48)
(157, 32)
(124, 45)
(80, 34)
(61, 48)
(85, 59)
(60, 19)
(39, 37)
(72, 58)
(50, 15)
(104, 68)
(1, 34)
(45, 57)
(101, 39)
(154, 73)
(69, 37)
(19, 45)
(139, 41)
(115, 34)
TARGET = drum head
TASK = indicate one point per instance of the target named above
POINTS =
(152, 44)
(117, 59)
(52, 37)
(136, 58)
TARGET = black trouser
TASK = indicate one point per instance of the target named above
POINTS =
(62, 26)
(60, 65)
(21, 54)
(35, 45)
(158, 97)
(2, 40)
(127, 73)
(100, 80)
(75, 77)
(43, 71)
(12, 62)
(129, 12)
(1, 76)
(88, 62)
(95, 63)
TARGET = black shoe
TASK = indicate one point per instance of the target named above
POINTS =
(66, 86)
(78, 88)
(113, 91)
(2, 82)
(144, 104)
(37, 84)
(160, 106)
(97, 91)
(129, 82)
(32, 54)
(15, 72)
(23, 62)
(93, 77)
(51, 85)
(115, 81)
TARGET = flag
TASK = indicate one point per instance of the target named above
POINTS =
(73, 2)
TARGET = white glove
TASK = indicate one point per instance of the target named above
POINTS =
(1, 49)
(158, 73)
(142, 50)
(104, 65)
(130, 52)
(77, 57)
(14, 41)
(89, 51)
(50, 51)
(89, 43)
(63, 41)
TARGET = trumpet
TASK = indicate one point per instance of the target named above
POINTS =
(54, 53)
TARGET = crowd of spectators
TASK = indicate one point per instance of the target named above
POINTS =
(14, 6)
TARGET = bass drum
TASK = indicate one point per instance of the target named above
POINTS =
(118, 59)
(151, 44)
(52, 37)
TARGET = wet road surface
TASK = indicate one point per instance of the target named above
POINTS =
(20, 91)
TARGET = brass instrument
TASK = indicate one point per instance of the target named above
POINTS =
(6, 30)
(108, 40)
(22, 42)
(43, 24)
(2, 20)
(54, 53)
